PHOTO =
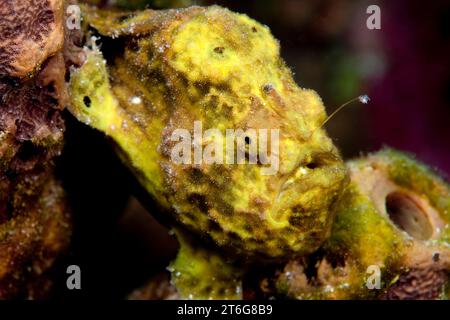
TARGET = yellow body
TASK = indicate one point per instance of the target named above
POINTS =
(223, 69)
(200, 273)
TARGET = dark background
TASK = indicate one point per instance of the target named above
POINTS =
(404, 68)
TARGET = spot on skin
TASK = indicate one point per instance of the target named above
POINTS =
(219, 50)
(87, 101)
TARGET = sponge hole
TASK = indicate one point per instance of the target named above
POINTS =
(407, 215)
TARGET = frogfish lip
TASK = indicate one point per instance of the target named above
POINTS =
(312, 185)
